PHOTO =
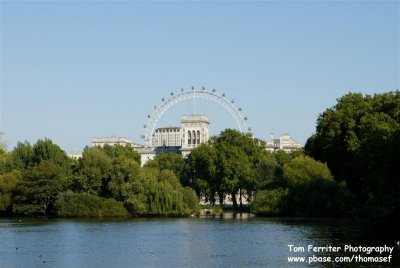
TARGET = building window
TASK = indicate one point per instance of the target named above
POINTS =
(189, 138)
(198, 137)
(194, 137)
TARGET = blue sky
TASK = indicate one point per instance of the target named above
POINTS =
(75, 70)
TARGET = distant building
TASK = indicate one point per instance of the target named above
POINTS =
(113, 140)
(167, 137)
(194, 132)
(285, 143)
(75, 155)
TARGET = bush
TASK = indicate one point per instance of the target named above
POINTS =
(319, 198)
(190, 199)
(70, 204)
(269, 202)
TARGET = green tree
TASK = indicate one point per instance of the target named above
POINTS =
(200, 172)
(267, 172)
(170, 161)
(93, 172)
(310, 191)
(8, 182)
(238, 157)
(122, 172)
(70, 204)
(38, 189)
(117, 151)
(21, 157)
(46, 150)
(358, 139)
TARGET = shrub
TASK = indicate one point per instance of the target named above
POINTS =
(70, 204)
(269, 202)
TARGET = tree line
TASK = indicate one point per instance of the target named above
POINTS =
(41, 180)
(348, 168)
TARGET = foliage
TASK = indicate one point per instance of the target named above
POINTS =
(38, 190)
(160, 193)
(200, 172)
(94, 170)
(167, 161)
(359, 140)
(70, 204)
(226, 165)
(304, 169)
(269, 202)
(190, 199)
(118, 151)
(41, 180)
(310, 191)
(8, 182)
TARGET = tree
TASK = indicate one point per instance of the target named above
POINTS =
(93, 172)
(226, 165)
(353, 137)
(200, 172)
(310, 191)
(358, 139)
(117, 151)
(266, 171)
(123, 171)
(8, 182)
(38, 190)
(238, 157)
(46, 150)
(235, 170)
(70, 204)
(21, 157)
(164, 161)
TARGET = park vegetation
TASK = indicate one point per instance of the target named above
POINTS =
(40, 180)
(348, 168)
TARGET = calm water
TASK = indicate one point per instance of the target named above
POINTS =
(188, 242)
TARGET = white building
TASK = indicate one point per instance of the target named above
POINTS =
(75, 155)
(167, 137)
(285, 143)
(113, 140)
(194, 132)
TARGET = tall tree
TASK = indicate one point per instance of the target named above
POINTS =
(170, 161)
(38, 189)
(358, 139)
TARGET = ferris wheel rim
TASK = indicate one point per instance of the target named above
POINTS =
(176, 97)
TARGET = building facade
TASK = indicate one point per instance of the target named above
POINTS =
(194, 132)
(167, 137)
(113, 140)
(285, 143)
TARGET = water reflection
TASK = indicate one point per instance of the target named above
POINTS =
(230, 240)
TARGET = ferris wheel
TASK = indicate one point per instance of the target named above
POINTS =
(194, 94)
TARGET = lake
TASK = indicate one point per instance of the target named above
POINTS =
(230, 241)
